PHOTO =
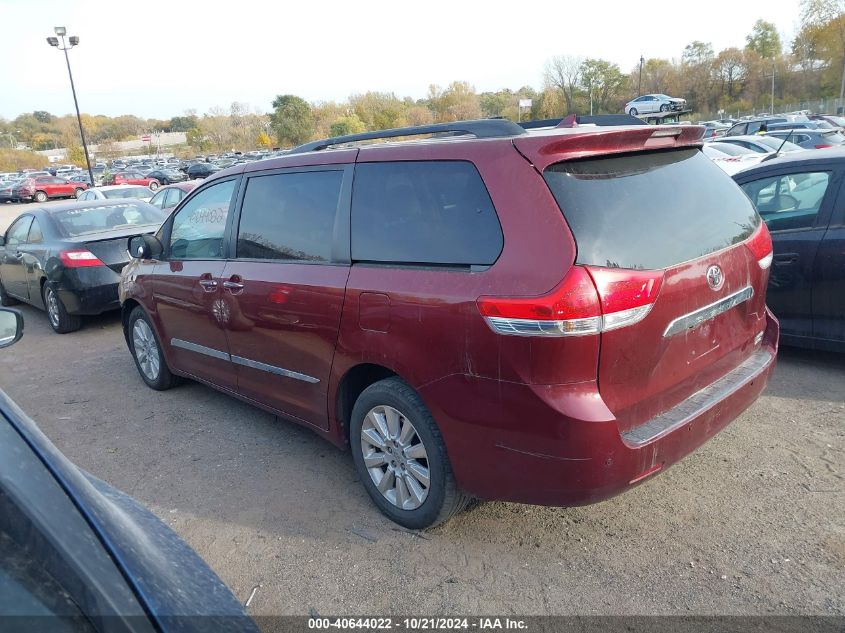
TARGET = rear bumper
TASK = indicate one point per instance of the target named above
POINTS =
(560, 445)
(89, 291)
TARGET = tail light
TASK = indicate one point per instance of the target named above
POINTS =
(823, 146)
(760, 244)
(79, 258)
(589, 300)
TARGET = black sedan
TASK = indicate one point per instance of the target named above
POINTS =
(167, 176)
(802, 203)
(79, 555)
(202, 170)
(66, 259)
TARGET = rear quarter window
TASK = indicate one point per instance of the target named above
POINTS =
(650, 210)
(423, 212)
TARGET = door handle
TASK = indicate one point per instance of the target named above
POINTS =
(234, 284)
(786, 258)
(209, 285)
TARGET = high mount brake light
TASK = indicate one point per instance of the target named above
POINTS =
(589, 300)
(760, 244)
(79, 258)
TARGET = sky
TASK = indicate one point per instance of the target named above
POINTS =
(157, 59)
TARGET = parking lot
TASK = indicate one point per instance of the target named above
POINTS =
(753, 522)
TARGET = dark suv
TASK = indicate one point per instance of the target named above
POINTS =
(546, 317)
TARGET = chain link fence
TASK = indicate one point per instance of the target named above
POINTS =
(829, 105)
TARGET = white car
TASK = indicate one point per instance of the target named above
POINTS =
(654, 103)
(111, 192)
(732, 158)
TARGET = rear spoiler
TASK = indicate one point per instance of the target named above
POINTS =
(574, 120)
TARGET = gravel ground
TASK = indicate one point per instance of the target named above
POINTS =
(753, 523)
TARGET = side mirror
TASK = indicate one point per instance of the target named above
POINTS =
(11, 327)
(145, 247)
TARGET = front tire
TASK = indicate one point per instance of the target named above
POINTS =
(633, 112)
(401, 458)
(78, 192)
(664, 108)
(57, 314)
(40, 196)
(146, 352)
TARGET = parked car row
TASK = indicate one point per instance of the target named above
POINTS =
(395, 297)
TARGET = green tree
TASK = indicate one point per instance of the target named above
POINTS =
(183, 123)
(764, 40)
(292, 120)
(823, 23)
(604, 82)
(43, 116)
(350, 124)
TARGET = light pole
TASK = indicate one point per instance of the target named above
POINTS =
(772, 111)
(72, 41)
(640, 83)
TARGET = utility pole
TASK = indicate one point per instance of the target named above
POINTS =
(640, 83)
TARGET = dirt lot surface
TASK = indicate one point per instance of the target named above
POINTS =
(753, 523)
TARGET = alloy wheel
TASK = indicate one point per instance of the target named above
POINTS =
(52, 307)
(146, 349)
(395, 457)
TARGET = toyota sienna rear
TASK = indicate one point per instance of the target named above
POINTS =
(545, 317)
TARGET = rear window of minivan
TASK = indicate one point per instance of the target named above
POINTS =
(650, 210)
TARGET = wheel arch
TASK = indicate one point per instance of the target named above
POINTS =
(351, 385)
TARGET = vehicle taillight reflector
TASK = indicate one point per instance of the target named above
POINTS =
(626, 295)
(79, 258)
(589, 300)
(760, 244)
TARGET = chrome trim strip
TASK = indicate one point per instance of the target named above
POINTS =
(199, 349)
(240, 360)
(279, 371)
(697, 317)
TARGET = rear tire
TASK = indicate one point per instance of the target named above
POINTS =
(5, 298)
(154, 185)
(146, 352)
(40, 196)
(412, 452)
(57, 314)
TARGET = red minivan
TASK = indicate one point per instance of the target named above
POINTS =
(548, 316)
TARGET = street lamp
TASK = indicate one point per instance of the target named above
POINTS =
(66, 46)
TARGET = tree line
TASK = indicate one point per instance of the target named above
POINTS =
(811, 66)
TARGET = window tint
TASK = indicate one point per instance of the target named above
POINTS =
(18, 231)
(650, 210)
(174, 196)
(198, 228)
(789, 201)
(289, 216)
(431, 212)
(35, 234)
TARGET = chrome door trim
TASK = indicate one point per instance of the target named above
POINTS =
(279, 371)
(697, 317)
(240, 360)
(199, 349)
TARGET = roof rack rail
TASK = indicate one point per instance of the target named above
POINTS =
(481, 128)
(598, 119)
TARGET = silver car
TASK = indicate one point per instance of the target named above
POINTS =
(112, 192)
(654, 103)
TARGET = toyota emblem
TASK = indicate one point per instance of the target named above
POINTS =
(715, 278)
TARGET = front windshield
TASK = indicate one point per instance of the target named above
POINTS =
(96, 219)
